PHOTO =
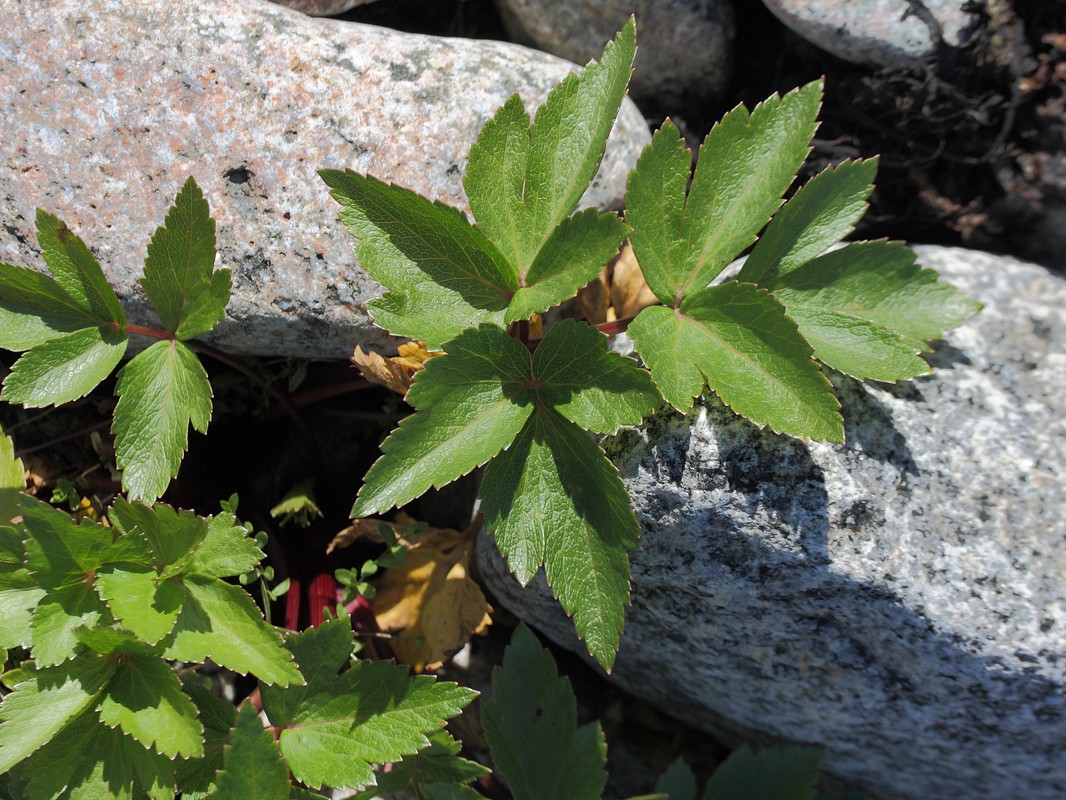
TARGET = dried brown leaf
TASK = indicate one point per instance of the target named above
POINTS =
(395, 372)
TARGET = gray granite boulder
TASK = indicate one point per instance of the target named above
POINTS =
(110, 106)
(900, 598)
(880, 32)
(684, 47)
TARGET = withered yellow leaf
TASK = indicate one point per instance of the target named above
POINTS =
(630, 293)
(430, 601)
(619, 292)
(395, 372)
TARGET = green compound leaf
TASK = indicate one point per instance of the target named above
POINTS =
(820, 214)
(57, 618)
(776, 773)
(89, 760)
(738, 339)
(227, 550)
(220, 621)
(60, 556)
(77, 272)
(574, 255)
(655, 207)
(444, 275)
(746, 163)
(64, 368)
(437, 765)
(73, 326)
(161, 392)
(178, 279)
(530, 723)
(43, 704)
(587, 383)
(145, 700)
(339, 725)
(876, 283)
(523, 181)
(34, 308)
(60, 551)
(196, 776)
(466, 416)
(172, 535)
(253, 768)
(111, 641)
(138, 598)
(553, 498)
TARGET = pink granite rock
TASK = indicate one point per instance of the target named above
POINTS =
(109, 107)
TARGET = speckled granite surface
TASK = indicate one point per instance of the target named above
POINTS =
(884, 32)
(901, 598)
(107, 107)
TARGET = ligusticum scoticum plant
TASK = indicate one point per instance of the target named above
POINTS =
(524, 410)
(108, 623)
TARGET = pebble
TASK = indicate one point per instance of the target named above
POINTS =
(684, 47)
(878, 32)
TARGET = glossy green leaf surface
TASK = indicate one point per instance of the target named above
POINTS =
(172, 535)
(444, 275)
(579, 377)
(220, 621)
(745, 165)
(43, 704)
(77, 271)
(553, 498)
(573, 255)
(161, 392)
(227, 550)
(64, 368)
(61, 554)
(820, 214)
(57, 617)
(145, 700)
(189, 297)
(34, 308)
(138, 598)
(878, 283)
(253, 767)
(89, 761)
(530, 722)
(466, 416)
(345, 720)
(738, 339)
(523, 180)
(775, 773)
(12, 481)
